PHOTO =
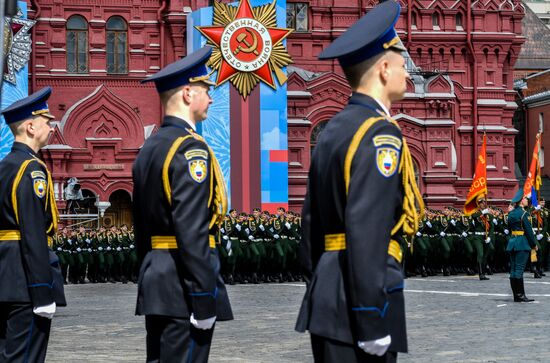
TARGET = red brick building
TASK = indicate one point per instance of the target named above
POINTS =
(462, 55)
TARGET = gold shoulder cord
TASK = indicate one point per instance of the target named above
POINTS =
(413, 205)
(217, 201)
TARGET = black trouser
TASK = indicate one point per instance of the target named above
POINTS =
(23, 335)
(331, 351)
(175, 340)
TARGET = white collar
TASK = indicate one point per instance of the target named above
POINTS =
(383, 107)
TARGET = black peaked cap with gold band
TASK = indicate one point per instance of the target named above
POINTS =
(28, 107)
(190, 69)
(374, 33)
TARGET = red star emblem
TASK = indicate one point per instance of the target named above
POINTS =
(245, 45)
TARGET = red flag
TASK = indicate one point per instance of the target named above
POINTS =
(532, 176)
(479, 184)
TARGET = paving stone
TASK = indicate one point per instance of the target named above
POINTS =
(455, 319)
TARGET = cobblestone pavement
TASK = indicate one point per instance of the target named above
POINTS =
(456, 319)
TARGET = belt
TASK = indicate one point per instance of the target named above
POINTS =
(518, 233)
(169, 242)
(15, 235)
(337, 242)
(479, 233)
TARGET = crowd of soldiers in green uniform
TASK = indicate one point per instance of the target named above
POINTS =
(260, 247)
(449, 242)
(263, 247)
(102, 255)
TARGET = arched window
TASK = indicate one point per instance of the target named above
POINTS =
(117, 41)
(77, 45)
(316, 133)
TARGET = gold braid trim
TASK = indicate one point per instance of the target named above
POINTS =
(413, 205)
(166, 167)
(16, 182)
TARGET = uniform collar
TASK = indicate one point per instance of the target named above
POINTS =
(369, 102)
(173, 121)
(19, 146)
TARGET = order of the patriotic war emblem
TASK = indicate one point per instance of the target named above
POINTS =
(248, 47)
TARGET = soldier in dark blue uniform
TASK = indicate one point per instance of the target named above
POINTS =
(31, 283)
(361, 198)
(520, 244)
(179, 202)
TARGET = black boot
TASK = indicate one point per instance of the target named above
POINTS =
(521, 292)
(541, 271)
(481, 274)
(513, 285)
(536, 273)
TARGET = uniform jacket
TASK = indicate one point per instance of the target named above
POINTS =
(177, 282)
(518, 220)
(29, 269)
(354, 294)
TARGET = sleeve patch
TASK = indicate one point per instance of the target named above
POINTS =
(198, 169)
(38, 174)
(196, 153)
(387, 159)
(39, 187)
(388, 140)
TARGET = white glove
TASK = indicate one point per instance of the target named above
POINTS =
(376, 347)
(108, 248)
(131, 246)
(464, 234)
(287, 225)
(100, 248)
(276, 236)
(202, 324)
(506, 231)
(89, 250)
(228, 247)
(247, 230)
(262, 227)
(59, 249)
(70, 241)
(538, 207)
(119, 249)
(88, 240)
(453, 222)
(495, 222)
(78, 249)
(222, 230)
(485, 211)
(238, 226)
(539, 237)
(45, 311)
(418, 234)
(488, 240)
(251, 238)
(225, 238)
(429, 224)
(442, 234)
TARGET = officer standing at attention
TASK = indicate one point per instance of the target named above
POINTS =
(361, 198)
(520, 244)
(179, 200)
(31, 284)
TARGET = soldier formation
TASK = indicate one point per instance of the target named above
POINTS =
(102, 255)
(260, 247)
(449, 242)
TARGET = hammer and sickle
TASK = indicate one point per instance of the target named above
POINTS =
(250, 48)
